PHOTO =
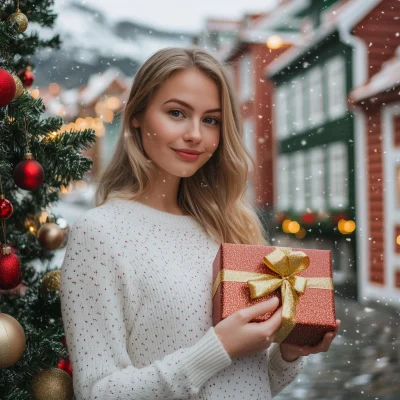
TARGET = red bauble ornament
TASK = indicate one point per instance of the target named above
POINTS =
(65, 365)
(6, 207)
(308, 218)
(10, 270)
(28, 174)
(7, 87)
(26, 76)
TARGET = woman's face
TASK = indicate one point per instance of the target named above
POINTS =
(184, 113)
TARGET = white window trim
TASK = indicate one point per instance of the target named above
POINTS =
(317, 181)
(315, 82)
(299, 181)
(298, 105)
(282, 199)
(338, 150)
(336, 77)
(281, 112)
(249, 139)
(246, 77)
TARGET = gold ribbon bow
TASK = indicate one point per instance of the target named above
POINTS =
(287, 264)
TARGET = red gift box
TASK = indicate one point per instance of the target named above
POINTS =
(242, 272)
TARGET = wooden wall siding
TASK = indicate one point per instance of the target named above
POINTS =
(261, 111)
(264, 112)
(397, 278)
(397, 233)
(396, 124)
(376, 197)
(379, 29)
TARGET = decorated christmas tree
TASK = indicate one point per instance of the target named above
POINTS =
(37, 160)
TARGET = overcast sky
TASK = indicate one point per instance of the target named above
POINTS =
(182, 15)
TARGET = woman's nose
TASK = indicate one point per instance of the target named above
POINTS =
(194, 132)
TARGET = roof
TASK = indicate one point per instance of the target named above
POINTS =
(342, 16)
(99, 83)
(386, 79)
(281, 14)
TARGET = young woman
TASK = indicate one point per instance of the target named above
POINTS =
(137, 276)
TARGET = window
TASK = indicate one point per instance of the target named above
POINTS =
(249, 139)
(317, 181)
(316, 105)
(338, 184)
(283, 200)
(281, 109)
(299, 181)
(246, 77)
(298, 120)
(336, 77)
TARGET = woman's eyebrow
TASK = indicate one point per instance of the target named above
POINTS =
(189, 106)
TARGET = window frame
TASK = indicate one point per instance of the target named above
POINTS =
(338, 150)
(315, 82)
(337, 92)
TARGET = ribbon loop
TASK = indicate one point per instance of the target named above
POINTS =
(286, 263)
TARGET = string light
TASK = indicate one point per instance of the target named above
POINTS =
(274, 42)
(294, 227)
(285, 225)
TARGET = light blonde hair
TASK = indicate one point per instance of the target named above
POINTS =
(214, 195)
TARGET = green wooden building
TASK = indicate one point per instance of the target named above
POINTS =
(314, 132)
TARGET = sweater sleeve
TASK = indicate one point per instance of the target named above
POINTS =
(92, 291)
(281, 373)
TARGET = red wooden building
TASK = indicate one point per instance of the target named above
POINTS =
(377, 142)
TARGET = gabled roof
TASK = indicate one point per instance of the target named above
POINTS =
(343, 17)
(261, 27)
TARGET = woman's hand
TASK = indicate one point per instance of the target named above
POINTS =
(291, 352)
(240, 337)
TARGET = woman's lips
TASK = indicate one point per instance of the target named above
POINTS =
(187, 156)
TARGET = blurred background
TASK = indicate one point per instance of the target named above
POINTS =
(318, 84)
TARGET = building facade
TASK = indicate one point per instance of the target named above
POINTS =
(315, 163)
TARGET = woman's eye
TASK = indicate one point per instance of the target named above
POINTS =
(216, 121)
(175, 112)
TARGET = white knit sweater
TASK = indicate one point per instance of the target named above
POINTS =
(137, 311)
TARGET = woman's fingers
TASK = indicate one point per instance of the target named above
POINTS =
(258, 309)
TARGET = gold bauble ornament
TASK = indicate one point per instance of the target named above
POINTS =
(50, 282)
(50, 235)
(12, 341)
(20, 19)
(63, 224)
(52, 384)
(19, 86)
